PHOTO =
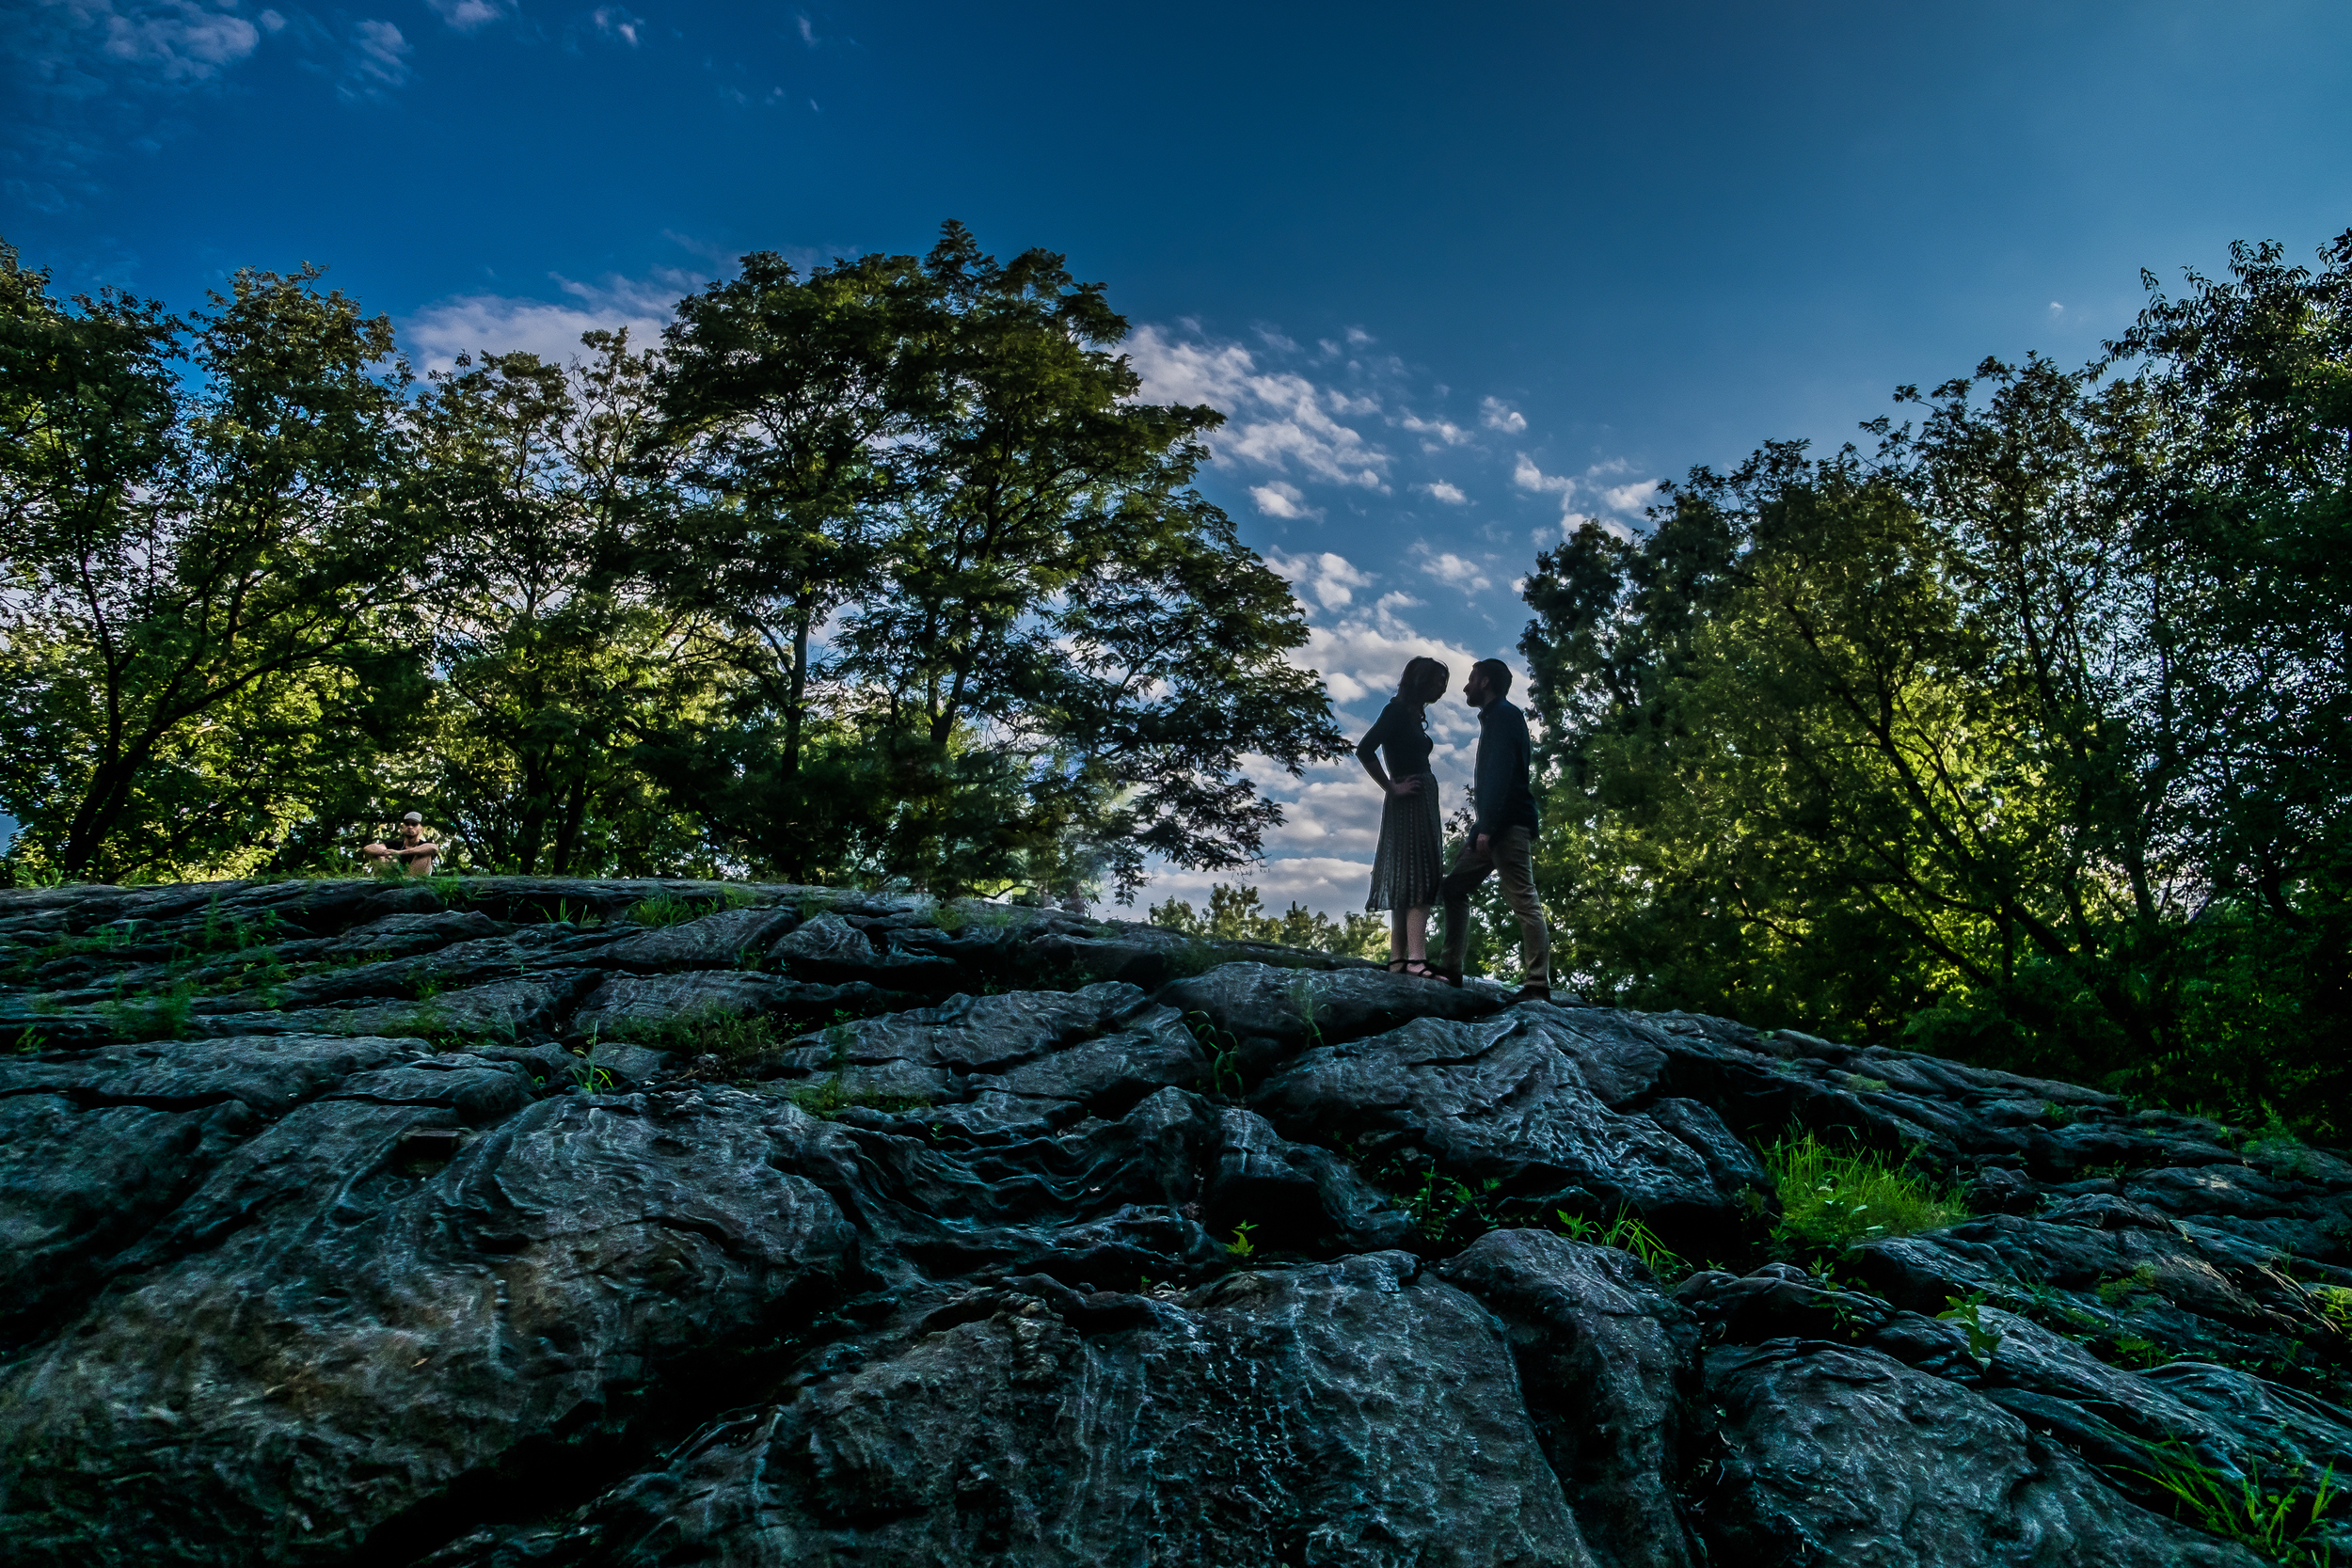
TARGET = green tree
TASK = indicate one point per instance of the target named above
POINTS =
(207, 614)
(560, 668)
(773, 393)
(1070, 653)
(1237, 913)
(2020, 739)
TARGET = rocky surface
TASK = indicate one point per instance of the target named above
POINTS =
(504, 1221)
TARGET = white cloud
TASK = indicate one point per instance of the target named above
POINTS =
(181, 40)
(808, 29)
(1450, 494)
(617, 22)
(378, 61)
(1628, 498)
(1286, 502)
(1528, 477)
(1446, 430)
(1494, 414)
(467, 16)
(1277, 420)
(1453, 570)
(1332, 579)
(502, 323)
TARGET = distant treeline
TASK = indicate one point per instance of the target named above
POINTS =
(2022, 737)
(876, 573)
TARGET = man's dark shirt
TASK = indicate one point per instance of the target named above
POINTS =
(1504, 755)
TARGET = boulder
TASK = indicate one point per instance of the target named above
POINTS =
(475, 1223)
(1831, 1456)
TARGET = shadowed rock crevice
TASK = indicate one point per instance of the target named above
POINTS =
(487, 1223)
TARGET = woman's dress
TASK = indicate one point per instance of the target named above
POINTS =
(1412, 857)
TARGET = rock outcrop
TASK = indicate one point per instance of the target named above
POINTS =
(514, 1221)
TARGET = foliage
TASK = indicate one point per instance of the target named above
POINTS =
(1238, 914)
(737, 1044)
(204, 594)
(946, 456)
(1968, 1312)
(1627, 1231)
(2279, 1523)
(881, 575)
(2020, 738)
(1833, 1199)
(666, 910)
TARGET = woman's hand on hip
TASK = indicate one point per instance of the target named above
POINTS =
(1405, 787)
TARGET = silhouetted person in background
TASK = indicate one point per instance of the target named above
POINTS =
(1502, 840)
(410, 847)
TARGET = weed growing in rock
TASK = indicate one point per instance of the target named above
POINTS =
(1224, 1050)
(1442, 1205)
(723, 1044)
(2334, 1304)
(1241, 1245)
(587, 1077)
(1968, 1311)
(1831, 1199)
(666, 910)
(1305, 1000)
(830, 1098)
(2278, 1523)
(159, 1016)
(1626, 1232)
(2121, 1291)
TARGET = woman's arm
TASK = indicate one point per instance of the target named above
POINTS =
(1367, 752)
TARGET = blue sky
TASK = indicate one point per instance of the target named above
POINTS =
(1458, 275)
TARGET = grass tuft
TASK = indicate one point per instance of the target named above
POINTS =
(2280, 1524)
(1831, 1199)
(666, 909)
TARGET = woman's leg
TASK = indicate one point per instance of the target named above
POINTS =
(1416, 933)
(1397, 950)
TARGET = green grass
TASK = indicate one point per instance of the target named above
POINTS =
(160, 1016)
(1628, 1233)
(1833, 1199)
(667, 908)
(2276, 1523)
(739, 1042)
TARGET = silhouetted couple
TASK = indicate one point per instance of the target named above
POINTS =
(1407, 872)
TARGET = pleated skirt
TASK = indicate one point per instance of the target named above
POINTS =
(1412, 857)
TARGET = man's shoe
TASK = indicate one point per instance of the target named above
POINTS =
(1451, 976)
(1530, 993)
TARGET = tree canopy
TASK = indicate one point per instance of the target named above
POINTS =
(885, 573)
(2020, 735)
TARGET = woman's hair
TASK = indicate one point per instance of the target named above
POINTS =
(1424, 680)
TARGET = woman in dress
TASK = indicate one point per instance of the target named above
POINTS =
(1406, 869)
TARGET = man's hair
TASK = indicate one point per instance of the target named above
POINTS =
(1497, 675)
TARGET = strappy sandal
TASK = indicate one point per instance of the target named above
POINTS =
(1422, 968)
(1396, 966)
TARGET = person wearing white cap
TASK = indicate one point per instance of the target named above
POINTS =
(411, 847)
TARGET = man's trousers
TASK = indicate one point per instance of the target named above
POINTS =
(1510, 855)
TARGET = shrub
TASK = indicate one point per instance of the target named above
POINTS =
(1833, 1199)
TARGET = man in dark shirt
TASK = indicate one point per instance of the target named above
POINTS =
(1503, 839)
